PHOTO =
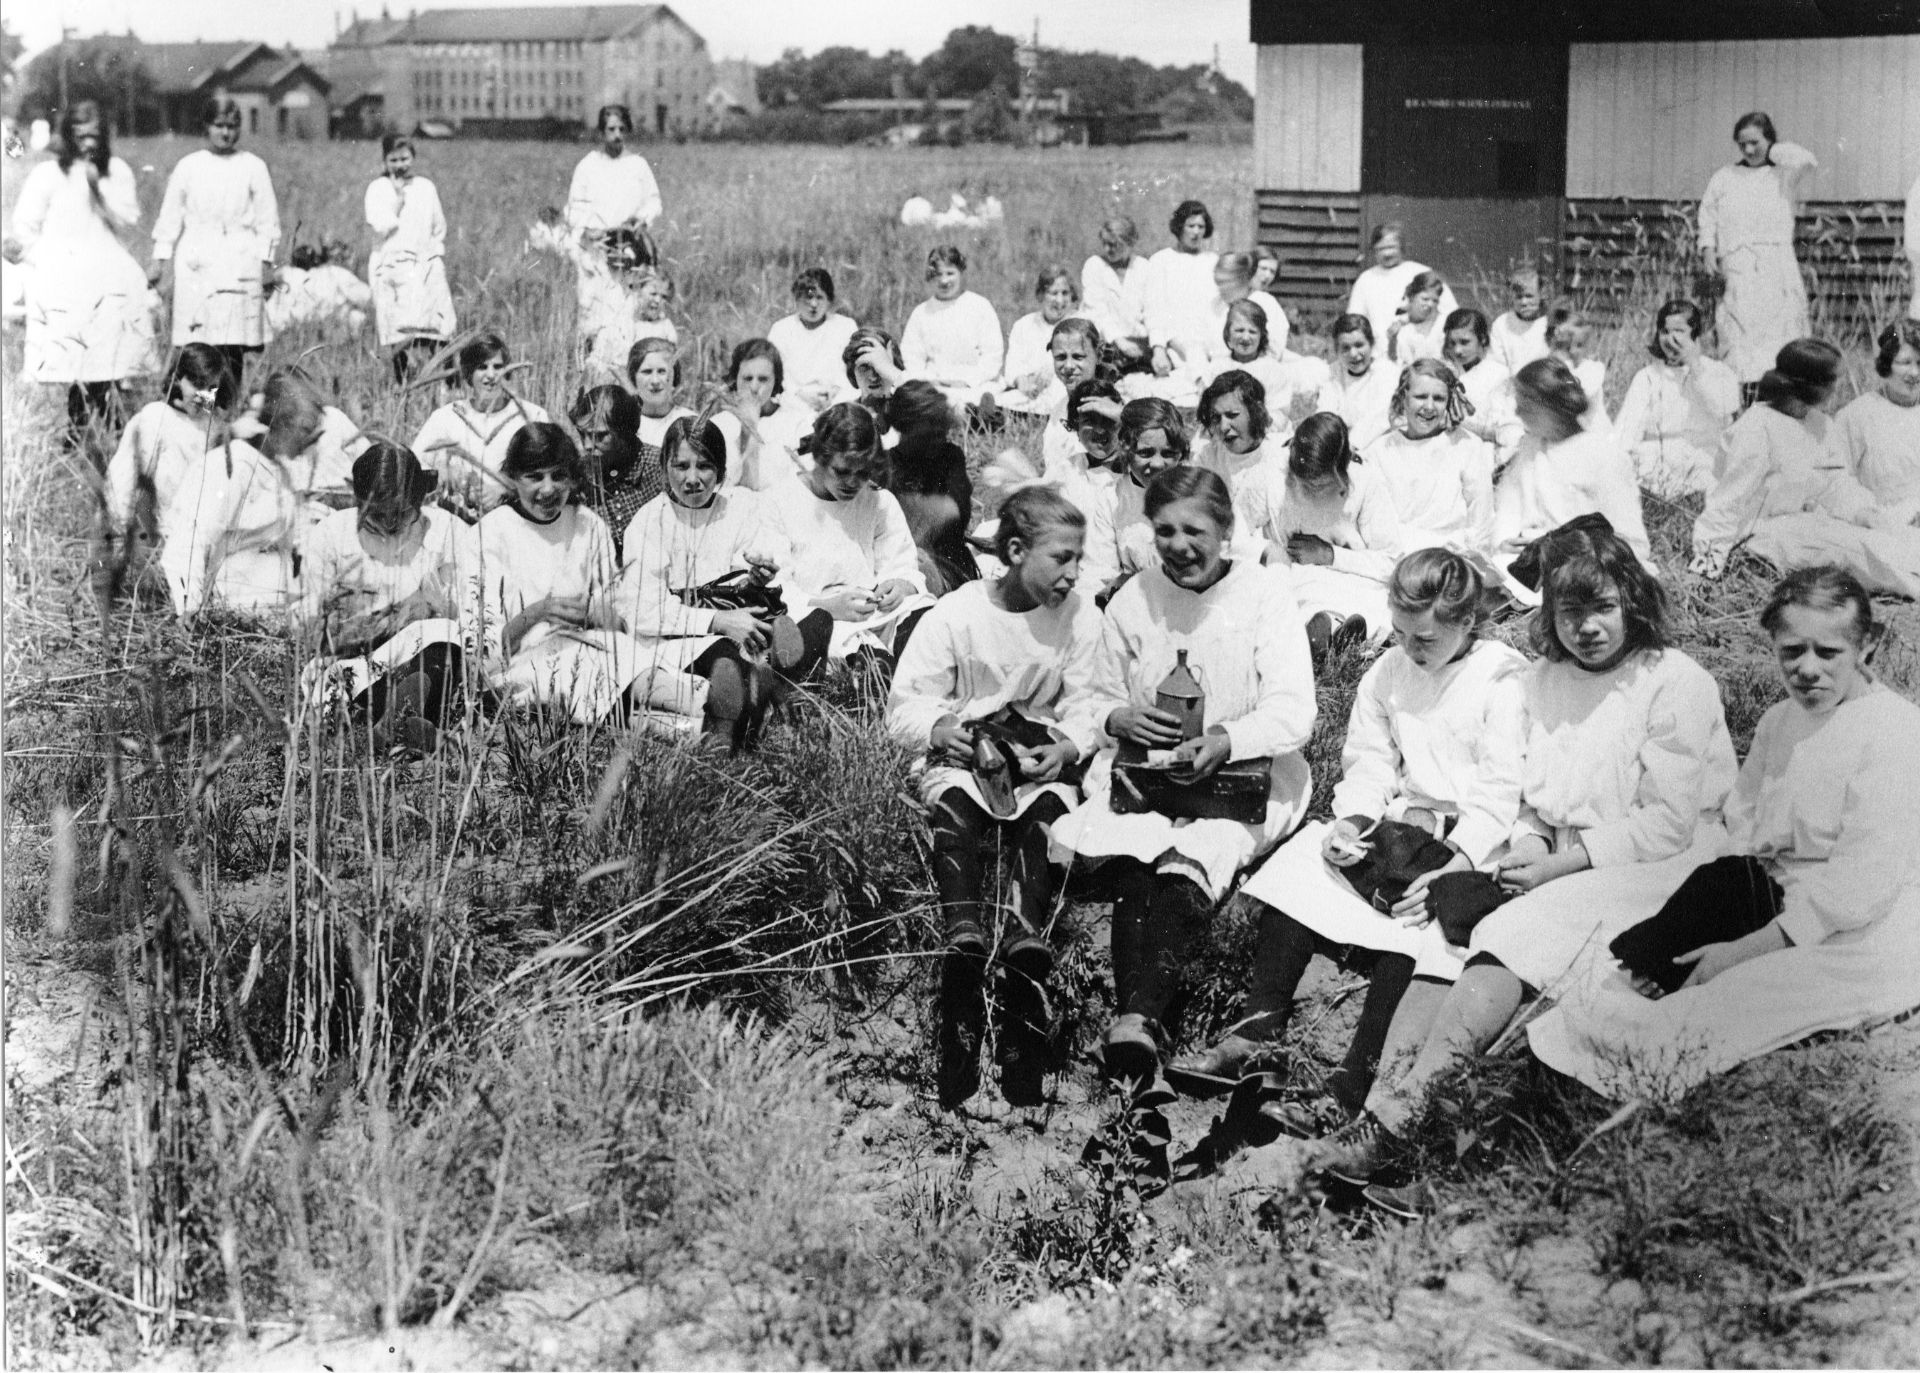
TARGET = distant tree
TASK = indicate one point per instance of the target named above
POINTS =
(970, 61)
(1098, 82)
(109, 72)
(831, 74)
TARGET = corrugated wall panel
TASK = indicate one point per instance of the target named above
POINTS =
(1656, 119)
(1306, 133)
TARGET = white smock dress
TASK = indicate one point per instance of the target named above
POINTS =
(231, 533)
(969, 658)
(1441, 486)
(219, 222)
(1379, 293)
(1878, 439)
(1364, 402)
(1746, 218)
(467, 447)
(1364, 529)
(89, 318)
(1829, 803)
(1446, 741)
(837, 544)
(156, 449)
(408, 268)
(1548, 484)
(1636, 764)
(1672, 421)
(1246, 647)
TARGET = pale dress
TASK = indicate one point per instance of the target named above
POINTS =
(88, 311)
(1364, 529)
(1636, 764)
(1591, 373)
(1446, 741)
(1246, 648)
(1782, 490)
(607, 192)
(779, 434)
(1256, 480)
(1548, 484)
(1379, 292)
(336, 567)
(1746, 218)
(811, 359)
(1829, 803)
(408, 268)
(328, 297)
(586, 672)
(219, 222)
(1416, 341)
(955, 344)
(1495, 417)
(1879, 441)
(1672, 421)
(969, 658)
(1513, 342)
(1364, 402)
(1177, 294)
(156, 449)
(467, 447)
(1119, 535)
(322, 472)
(1265, 369)
(1029, 353)
(837, 544)
(1441, 486)
(1116, 305)
(231, 533)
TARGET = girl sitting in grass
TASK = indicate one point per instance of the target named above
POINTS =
(382, 589)
(1488, 387)
(653, 375)
(648, 291)
(1878, 433)
(1678, 406)
(619, 480)
(1337, 527)
(1248, 451)
(1249, 349)
(1439, 475)
(874, 369)
(1627, 767)
(465, 441)
(952, 338)
(928, 477)
(1519, 335)
(1022, 642)
(1358, 389)
(1150, 440)
(762, 424)
(163, 440)
(1430, 783)
(1073, 352)
(1418, 330)
(1029, 376)
(1569, 333)
(1812, 922)
(811, 340)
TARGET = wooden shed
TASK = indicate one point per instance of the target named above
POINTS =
(1577, 135)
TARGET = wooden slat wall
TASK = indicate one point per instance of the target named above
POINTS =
(1653, 120)
(1622, 253)
(1317, 235)
(1306, 132)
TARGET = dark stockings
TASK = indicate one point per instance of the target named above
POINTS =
(91, 404)
(410, 357)
(427, 685)
(1157, 916)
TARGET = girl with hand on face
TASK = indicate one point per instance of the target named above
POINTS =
(1439, 475)
(1877, 435)
(412, 306)
(874, 369)
(1812, 922)
(1627, 766)
(163, 440)
(1417, 330)
(853, 550)
(1336, 526)
(382, 589)
(762, 424)
(1358, 389)
(465, 441)
(1150, 440)
(952, 338)
(1433, 745)
(1025, 641)
(1029, 381)
(1236, 624)
(1678, 406)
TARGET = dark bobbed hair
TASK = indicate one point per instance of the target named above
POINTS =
(1093, 388)
(1188, 483)
(388, 471)
(1804, 370)
(703, 439)
(1029, 513)
(1321, 445)
(1577, 565)
(389, 142)
(78, 113)
(643, 348)
(1186, 210)
(1564, 314)
(476, 352)
(1449, 584)
(1823, 587)
(307, 256)
(541, 444)
(1466, 317)
(1078, 326)
(290, 405)
(206, 368)
(1351, 324)
(746, 351)
(1902, 333)
(1251, 310)
(217, 108)
(863, 339)
(814, 279)
(1424, 281)
(847, 430)
(945, 255)
(1679, 305)
(1552, 383)
(919, 407)
(1756, 119)
(1252, 394)
(1151, 412)
(600, 119)
(620, 408)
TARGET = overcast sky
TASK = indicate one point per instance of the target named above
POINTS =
(1161, 31)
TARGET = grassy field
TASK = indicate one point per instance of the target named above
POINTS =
(571, 1049)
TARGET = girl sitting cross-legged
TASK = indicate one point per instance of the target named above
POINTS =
(983, 688)
(1337, 527)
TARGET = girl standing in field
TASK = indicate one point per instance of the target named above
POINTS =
(543, 593)
(1338, 528)
(1150, 440)
(763, 427)
(928, 477)
(1813, 921)
(1568, 334)
(1179, 291)
(1029, 379)
(619, 481)
(1380, 291)
(1746, 238)
(952, 338)
(1248, 452)
(1487, 386)
(1430, 784)
(612, 188)
(853, 551)
(412, 306)
(1783, 491)
(1418, 329)
(382, 588)
(1113, 289)
(653, 374)
(465, 441)
(1627, 765)
(1520, 334)
(88, 325)
(1235, 623)
(215, 241)
(1358, 389)
(1020, 646)
(696, 532)
(165, 439)
(811, 340)
(1877, 434)
(1678, 406)
(1563, 469)
(1439, 475)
